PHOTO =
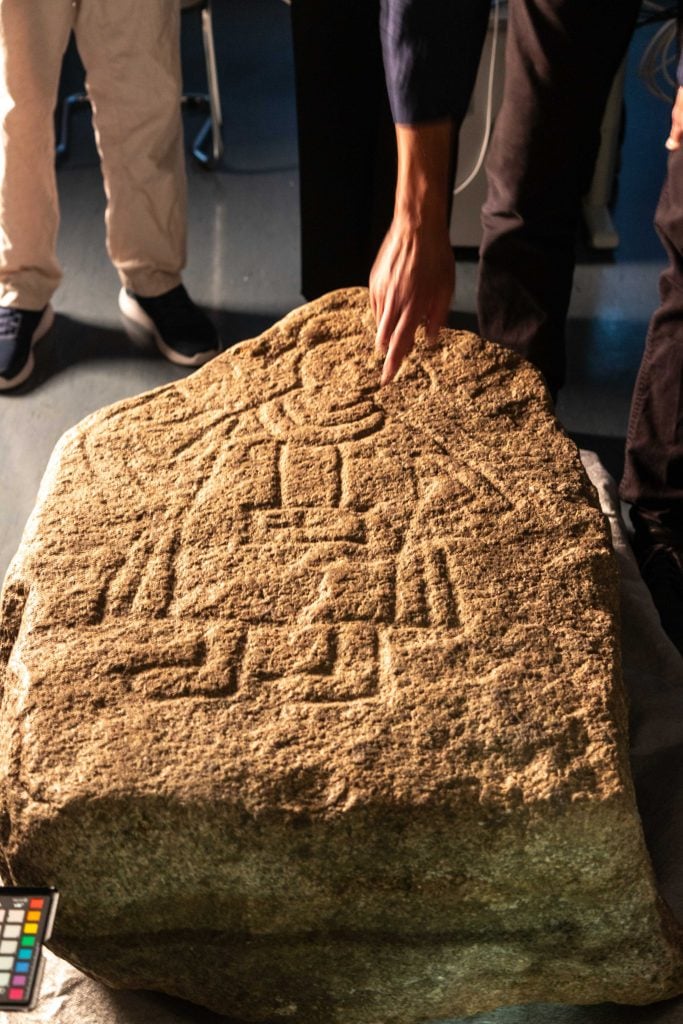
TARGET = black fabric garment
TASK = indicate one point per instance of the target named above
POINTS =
(347, 149)
(539, 166)
(431, 49)
(653, 473)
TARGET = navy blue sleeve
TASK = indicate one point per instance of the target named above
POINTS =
(431, 51)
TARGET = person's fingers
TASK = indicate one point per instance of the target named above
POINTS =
(375, 298)
(437, 316)
(376, 305)
(401, 343)
(432, 328)
(391, 366)
(379, 278)
(386, 326)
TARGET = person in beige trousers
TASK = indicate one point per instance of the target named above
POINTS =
(131, 52)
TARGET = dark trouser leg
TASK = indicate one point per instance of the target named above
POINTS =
(561, 58)
(347, 153)
(653, 475)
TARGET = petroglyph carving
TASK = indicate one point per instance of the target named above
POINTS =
(323, 679)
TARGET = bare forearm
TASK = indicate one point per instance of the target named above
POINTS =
(424, 154)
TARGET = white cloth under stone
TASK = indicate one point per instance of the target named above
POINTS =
(653, 674)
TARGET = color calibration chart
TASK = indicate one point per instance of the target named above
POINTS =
(26, 918)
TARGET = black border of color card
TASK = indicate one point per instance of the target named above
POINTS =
(26, 919)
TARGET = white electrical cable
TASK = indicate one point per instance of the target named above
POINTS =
(462, 185)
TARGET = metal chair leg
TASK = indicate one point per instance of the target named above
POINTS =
(214, 123)
(70, 103)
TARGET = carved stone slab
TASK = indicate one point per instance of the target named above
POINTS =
(312, 704)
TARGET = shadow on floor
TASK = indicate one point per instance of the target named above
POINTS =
(239, 326)
(72, 342)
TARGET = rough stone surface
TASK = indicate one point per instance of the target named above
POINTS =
(312, 704)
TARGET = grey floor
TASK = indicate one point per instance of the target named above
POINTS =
(244, 256)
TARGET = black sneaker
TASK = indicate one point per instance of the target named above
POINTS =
(20, 329)
(658, 547)
(181, 331)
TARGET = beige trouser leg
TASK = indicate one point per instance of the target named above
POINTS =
(131, 52)
(33, 37)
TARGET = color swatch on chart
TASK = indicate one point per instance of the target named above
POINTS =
(26, 918)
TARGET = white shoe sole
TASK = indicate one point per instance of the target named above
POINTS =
(140, 328)
(44, 325)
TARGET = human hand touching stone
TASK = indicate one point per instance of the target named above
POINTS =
(413, 277)
(411, 285)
